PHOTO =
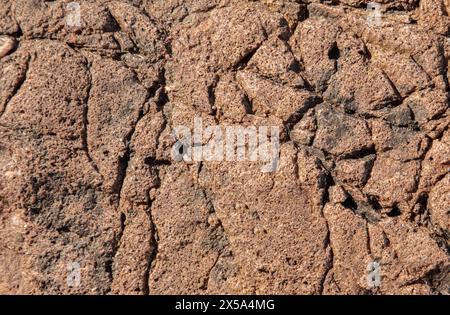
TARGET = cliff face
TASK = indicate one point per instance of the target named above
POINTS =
(93, 201)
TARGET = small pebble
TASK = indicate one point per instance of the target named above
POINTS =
(7, 44)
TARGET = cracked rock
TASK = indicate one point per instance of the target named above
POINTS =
(98, 102)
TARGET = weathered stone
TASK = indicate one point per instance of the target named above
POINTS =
(392, 181)
(355, 172)
(91, 179)
(341, 134)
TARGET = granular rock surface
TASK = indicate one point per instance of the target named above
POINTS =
(93, 202)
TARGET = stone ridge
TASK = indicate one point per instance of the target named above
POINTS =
(92, 202)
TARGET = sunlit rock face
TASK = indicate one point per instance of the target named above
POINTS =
(351, 94)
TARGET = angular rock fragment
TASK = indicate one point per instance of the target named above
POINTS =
(275, 60)
(314, 42)
(355, 172)
(341, 134)
(304, 131)
(348, 241)
(439, 201)
(392, 181)
(269, 97)
(399, 143)
(7, 44)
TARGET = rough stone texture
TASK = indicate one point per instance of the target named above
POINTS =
(87, 176)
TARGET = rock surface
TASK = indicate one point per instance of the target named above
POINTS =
(92, 201)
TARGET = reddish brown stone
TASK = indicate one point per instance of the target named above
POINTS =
(89, 185)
